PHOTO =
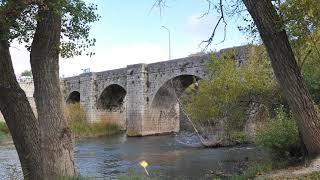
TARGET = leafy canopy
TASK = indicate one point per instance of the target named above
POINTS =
(77, 17)
(302, 22)
(231, 88)
(26, 73)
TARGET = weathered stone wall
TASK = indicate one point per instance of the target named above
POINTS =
(150, 104)
(91, 86)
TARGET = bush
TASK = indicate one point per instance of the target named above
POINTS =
(86, 129)
(232, 87)
(74, 113)
(237, 137)
(280, 135)
(80, 127)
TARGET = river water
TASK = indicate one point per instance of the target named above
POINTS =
(168, 158)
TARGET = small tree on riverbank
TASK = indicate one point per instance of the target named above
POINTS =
(270, 25)
(230, 91)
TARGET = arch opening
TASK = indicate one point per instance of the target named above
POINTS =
(165, 108)
(73, 98)
(112, 98)
(168, 93)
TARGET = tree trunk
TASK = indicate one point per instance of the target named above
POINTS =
(287, 71)
(18, 115)
(56, 137)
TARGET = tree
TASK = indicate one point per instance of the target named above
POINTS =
(232, 87)
(287, 71)
(302, 22)
(272, 31)
(26, 73)
(44, 144)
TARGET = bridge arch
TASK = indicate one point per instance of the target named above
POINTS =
(74, 97)
(165, 108)
(173, 88)
(111, 105)
(112, 98)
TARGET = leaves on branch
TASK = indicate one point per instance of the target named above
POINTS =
(76, 23)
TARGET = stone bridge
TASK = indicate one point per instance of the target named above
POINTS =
(141, 98)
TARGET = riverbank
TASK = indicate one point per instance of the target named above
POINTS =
(82, 129)
(258, 171)
(282, 169)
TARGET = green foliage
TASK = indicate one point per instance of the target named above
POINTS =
(260, 168)
(237, 137)
(302, 20)
(77, 17)
(280, 135)
(74, 113)
(231, 88)
(26, 73)
(253, 171)
(82, 128)
(76, 27)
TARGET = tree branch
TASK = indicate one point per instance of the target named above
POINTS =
(221, 19)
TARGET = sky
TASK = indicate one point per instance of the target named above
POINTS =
(130, 32)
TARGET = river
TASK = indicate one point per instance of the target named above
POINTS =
(168, 158)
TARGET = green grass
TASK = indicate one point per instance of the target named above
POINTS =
(265, 167)
(253, 171)
(82, 128)
(85, 129)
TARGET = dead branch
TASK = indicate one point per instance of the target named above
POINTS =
(221, 20)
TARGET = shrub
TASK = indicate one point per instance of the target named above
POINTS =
(80, 127)
(237, 137)
(280, 135)
(233, 85)
(74, 113)
(86, 129)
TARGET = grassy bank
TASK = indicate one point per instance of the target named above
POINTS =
(279, 169)
(260, 169)
(85, 129)
(82, 128)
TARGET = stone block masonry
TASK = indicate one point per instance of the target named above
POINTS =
(141, 98)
